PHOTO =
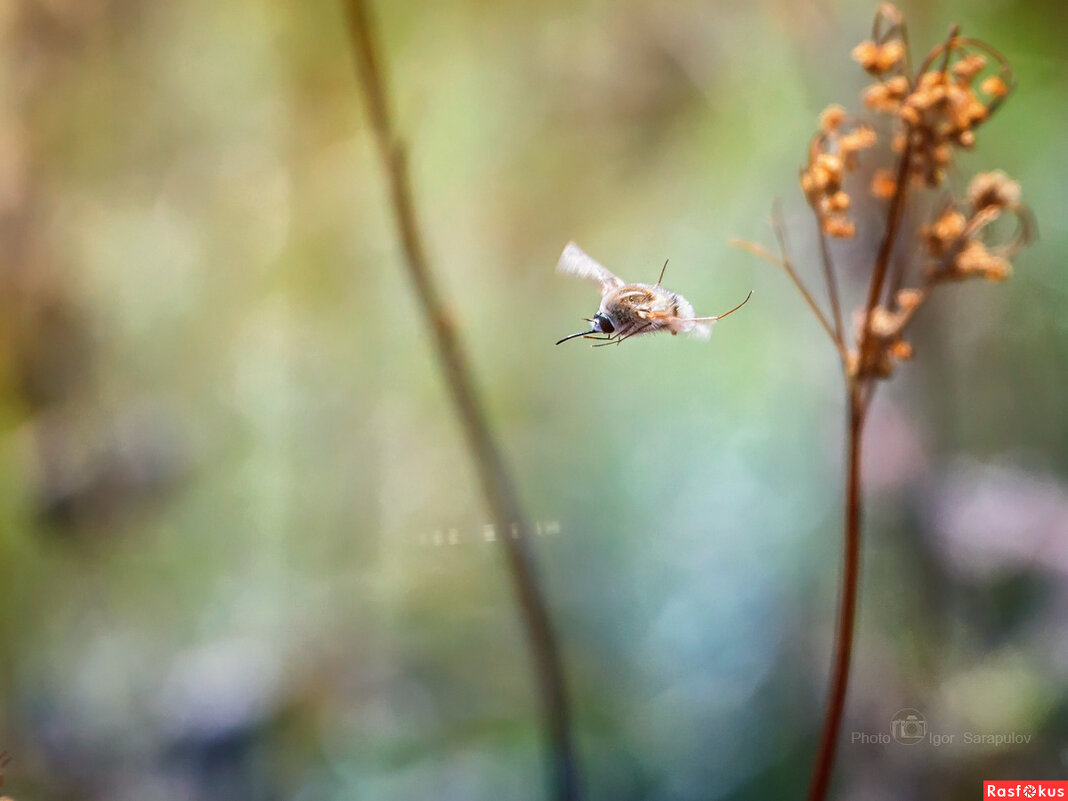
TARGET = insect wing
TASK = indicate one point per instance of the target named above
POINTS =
(575, 261)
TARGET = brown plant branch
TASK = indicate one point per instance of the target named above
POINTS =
(860, 389)
(886, 247)
(898, 267)
(788, 265)
(785, 263)
(847, 612)
(831, 279)
(496, 482)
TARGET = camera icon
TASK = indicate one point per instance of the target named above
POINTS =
(909, 727)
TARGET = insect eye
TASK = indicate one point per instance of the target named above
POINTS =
(605, 323)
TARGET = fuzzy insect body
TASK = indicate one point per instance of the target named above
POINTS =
(629, 310)
(645, 308)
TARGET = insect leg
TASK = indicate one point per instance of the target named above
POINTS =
(634, 333)
(604, 339)
(628, 336)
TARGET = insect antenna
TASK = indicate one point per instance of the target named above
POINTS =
(662, 269)
(732, 311)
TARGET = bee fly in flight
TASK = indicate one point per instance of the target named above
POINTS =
(631, 309)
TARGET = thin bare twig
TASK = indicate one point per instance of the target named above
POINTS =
(497, 485)
(785, 263)
(896, 280)
(763, 253)
(831, 279)
(847, 612)
(860, 393)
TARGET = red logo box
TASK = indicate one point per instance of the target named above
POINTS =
(1025, 789)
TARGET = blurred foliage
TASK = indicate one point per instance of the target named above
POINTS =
(242, 555)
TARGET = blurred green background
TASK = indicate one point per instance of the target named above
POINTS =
(242, 553)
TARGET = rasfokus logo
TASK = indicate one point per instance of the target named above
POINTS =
(1021, 789)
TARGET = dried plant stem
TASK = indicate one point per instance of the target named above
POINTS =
(831, 279)
(497, 485)
(785, 263)
(886, 246)
(847, 612)
(860, 390)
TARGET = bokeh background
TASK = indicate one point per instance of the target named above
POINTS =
(242, 553)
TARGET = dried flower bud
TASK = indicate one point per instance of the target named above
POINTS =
(839, 201)
(887, 95)
(901, 350)
(863, 137)
(993, 190)
(949, 226)
(885, 323)
(866, 54)
(998, 269)
(910, 115)
(832, 164)
(930, 91)
(944, 234)
(976, 260)
(909, 299)
(968, 67)
(879, 97)
(831, 118)
(973, 112)
(994, 86)
(898, 86)
(883, 183)
(839, 227)
(939, 111)
(831, 155)
(879, 58)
